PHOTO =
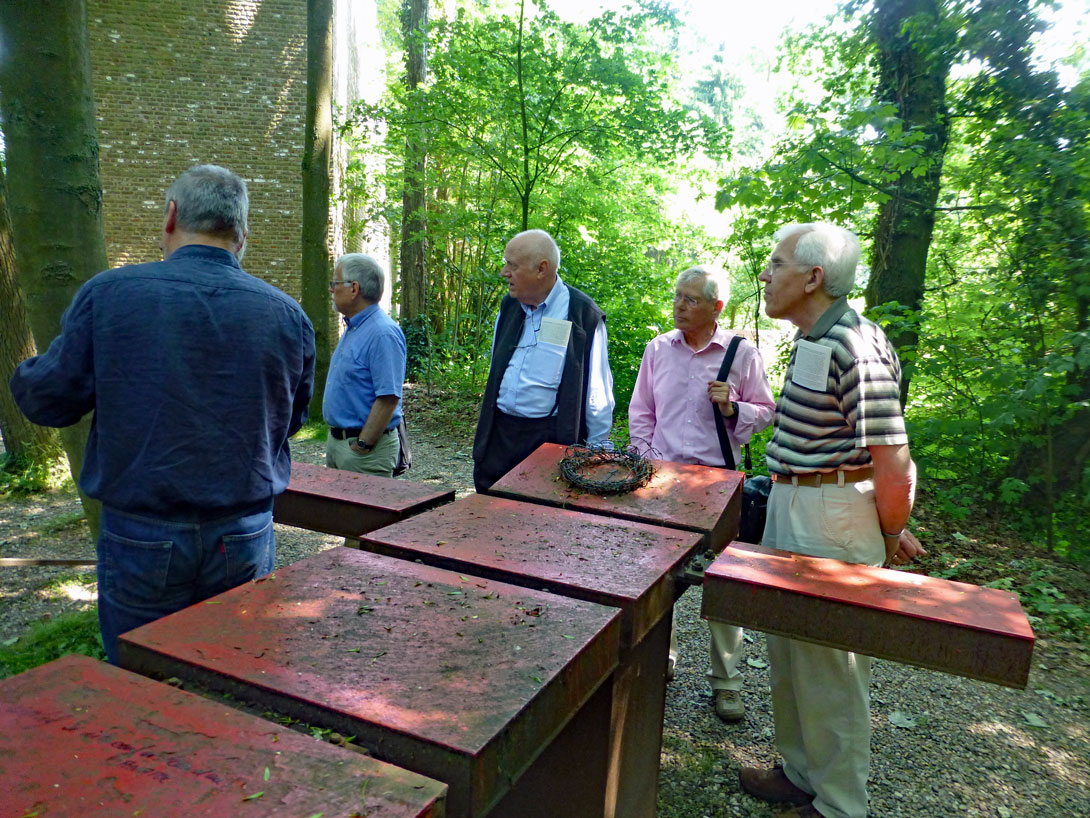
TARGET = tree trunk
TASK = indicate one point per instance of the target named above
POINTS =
(54, 189)
(22, 439)
(413, 216)
(913, 64)
(317, 156)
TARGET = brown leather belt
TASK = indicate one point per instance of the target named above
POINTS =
(817, 478)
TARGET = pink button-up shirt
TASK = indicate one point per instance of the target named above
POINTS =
(670, 407)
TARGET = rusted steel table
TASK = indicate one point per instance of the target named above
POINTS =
(79, 737)
(613, 562)
(348, 504)
(692, 498)
(981, 633)
(495, 690)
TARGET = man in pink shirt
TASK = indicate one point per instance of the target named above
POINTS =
(672, 412)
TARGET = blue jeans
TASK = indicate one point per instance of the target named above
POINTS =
(148, 567)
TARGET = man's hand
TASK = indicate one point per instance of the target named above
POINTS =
(903, 549)
(354, 445)
(719, 392)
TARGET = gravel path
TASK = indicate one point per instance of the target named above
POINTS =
(963, 748)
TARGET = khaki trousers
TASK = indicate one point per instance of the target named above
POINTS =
(821, 696)
(380, 460)
(725, 652)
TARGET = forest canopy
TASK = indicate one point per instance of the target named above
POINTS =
(932, 129)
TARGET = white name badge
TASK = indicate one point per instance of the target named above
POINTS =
(812, 365)
(554, 331)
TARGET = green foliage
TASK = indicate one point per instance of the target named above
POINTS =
(40, 471)
(46, 641)
(313, 429)
(532, 121)
(1000, 399)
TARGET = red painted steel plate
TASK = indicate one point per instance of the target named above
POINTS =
(79, 737)
(348, 504)
(680, 495)
(456, 677)
(611, 562)
(950, 626)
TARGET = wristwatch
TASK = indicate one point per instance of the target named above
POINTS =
(365, 446)
(733, 409)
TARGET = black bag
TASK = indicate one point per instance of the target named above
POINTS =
(754, 508)
(755, 490)
(404, 453)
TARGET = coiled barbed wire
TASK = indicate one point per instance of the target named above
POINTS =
(596, 470)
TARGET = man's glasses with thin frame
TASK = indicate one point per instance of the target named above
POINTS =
(690, 302)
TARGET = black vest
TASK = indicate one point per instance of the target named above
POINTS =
(571, 415)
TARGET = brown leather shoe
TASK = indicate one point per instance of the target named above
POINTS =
(772, 785)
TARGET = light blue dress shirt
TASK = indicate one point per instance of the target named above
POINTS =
(530, 384)
(369, 361)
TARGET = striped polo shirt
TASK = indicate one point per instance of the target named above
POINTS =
(860, 406)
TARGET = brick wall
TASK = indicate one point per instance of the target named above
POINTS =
(220, 81)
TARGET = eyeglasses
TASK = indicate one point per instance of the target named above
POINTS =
(333, 284)
(688, 300)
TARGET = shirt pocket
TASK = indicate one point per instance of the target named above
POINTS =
(546, 365)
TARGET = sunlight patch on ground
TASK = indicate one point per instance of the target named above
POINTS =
(78, 588)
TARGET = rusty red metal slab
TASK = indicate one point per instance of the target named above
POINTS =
(680, 495)
(80, 737)
(605, 560)
(456, 677)
(349, 504)
(584, 556)
(981, 633)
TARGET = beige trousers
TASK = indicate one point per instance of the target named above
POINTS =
(724, 651)
(380, 460)
(821, 696)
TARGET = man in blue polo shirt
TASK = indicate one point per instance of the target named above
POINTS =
(362, 401)
(197, 374)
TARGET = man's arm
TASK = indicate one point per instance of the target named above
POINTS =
(753, 395)
(600, 401)
(377, 420)
(58, 388)
(386, 362)
(894, 494)
(305, 389)
(641, 409)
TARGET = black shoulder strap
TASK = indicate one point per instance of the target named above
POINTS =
(720, 427)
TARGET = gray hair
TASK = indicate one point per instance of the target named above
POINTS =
(365, 271)
(211, 200)
(828, 246)
(716, 283)
(542, 244)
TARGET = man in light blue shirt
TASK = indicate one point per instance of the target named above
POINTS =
(549, 381)
(362, 400)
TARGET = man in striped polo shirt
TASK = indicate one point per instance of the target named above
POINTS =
(844, 485)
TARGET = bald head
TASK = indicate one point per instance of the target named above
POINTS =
(530, 262)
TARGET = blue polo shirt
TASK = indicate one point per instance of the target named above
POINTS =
(369, 361)
(197, 373)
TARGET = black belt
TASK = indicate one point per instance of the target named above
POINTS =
(344, 434)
